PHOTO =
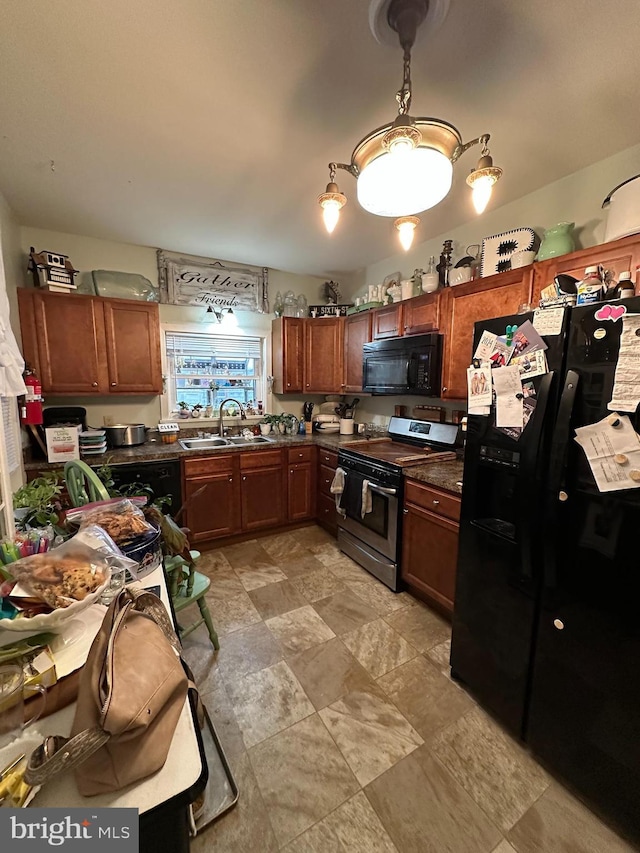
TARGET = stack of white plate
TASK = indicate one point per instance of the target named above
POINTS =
(327, 423)
(93, 442)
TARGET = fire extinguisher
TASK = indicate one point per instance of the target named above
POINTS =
(31, 403)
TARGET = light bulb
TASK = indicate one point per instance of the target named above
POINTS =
(330, 214)
(481, 192)
(406, 226)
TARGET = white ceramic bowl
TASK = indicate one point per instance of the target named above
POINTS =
(522, 259)
(57, 618)
(459, 275)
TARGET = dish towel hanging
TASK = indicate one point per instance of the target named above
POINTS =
(366, 503)
(337, 488)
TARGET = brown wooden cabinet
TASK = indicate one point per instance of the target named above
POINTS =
(357, 332)
(262, 489)
(215, 511)
(421, 314)
(430, 544)
(323, 355)
(387, 322)
(301, 483)
(87, 345)
(463, 306)
(288, 348)
(617, 256)
(326, 514)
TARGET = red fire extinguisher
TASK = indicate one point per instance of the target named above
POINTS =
(31, 404)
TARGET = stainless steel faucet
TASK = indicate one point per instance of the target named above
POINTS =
(243, 415)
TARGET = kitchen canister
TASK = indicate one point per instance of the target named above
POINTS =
(407, 288)
(557, 241)
(346, 426)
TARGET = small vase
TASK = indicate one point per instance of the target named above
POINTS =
(556, 241)
(196, 413)
(185, 413)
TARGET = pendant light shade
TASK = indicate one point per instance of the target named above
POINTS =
(406, 226)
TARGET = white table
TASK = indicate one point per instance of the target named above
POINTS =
(171, 788)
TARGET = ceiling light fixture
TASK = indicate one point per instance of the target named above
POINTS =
(406, 166)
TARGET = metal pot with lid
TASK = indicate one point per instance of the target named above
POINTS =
(623, 205)
(126, 435)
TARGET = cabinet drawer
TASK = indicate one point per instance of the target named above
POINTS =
(325, 478)
(208, 465)
(326, 512)
(434, 500)
(299, 454)
(260, 459)
(327, 457)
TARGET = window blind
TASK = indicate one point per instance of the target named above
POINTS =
(207, 346)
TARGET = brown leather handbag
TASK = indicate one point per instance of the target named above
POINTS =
(132, 691)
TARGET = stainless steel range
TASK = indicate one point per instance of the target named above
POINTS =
(371, 531)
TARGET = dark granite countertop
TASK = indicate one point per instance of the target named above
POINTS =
(442, 475)
(158, 451)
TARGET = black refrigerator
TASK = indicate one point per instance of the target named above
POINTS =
(546, 624)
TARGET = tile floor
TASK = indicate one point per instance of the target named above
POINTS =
(332, 699)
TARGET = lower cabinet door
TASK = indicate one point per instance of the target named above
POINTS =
(300, 492)
(215, 511)
(430, 555)
(263, 503)
(326, 515)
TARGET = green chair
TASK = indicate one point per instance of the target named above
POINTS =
(187, 586)
(83, 485)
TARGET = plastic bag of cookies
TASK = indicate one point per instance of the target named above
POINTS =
(123, 521)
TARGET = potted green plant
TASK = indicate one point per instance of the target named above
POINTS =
(196, 410)
(268, 423)
(37, 502)
(184, 409)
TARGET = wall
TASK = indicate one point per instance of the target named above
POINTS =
(576, 198)
(87, 253)
(10, 258)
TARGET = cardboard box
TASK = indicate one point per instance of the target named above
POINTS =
(62, 443)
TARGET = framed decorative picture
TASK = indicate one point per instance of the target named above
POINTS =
(191, 280)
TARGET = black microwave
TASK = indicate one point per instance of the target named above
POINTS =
(408, 365)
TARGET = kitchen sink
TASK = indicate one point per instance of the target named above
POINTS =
(213, 443)
(203, 443)
(255, 439)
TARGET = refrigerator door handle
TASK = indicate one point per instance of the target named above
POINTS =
(528, 475)
(561, 432)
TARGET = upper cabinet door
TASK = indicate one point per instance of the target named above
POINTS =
(323, 355)
(422, 314)
(63, 338)
(133, 346)
(357, 333)
(287, 348)
(495, 296)
(387, 322)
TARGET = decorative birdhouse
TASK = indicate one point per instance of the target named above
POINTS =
(53, 271)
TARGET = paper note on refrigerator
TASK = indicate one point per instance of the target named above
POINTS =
(612, 448)
(548, 321)
(479, 387)
(509, 396)
(626, 383)
(485, 346)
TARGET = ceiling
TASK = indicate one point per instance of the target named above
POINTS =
(206, 126)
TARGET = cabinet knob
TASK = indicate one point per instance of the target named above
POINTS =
(94, 384)
(307, 384)
(244, 478)
(563, 496)
(291, 472)
(300, 455)
(559, 624)
(435, 502)
(113, 384)
(288, 385)
(405, 511)
(231, 479)
(444, 388)
(327, 481)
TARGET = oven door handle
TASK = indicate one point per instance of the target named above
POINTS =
(382, 489)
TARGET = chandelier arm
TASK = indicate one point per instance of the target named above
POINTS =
(348, 167)
(460, 149)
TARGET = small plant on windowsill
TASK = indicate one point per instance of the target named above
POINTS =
(196, 410)
(184, 409)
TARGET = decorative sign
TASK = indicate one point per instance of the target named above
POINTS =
(190, 280)
(497, 250)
